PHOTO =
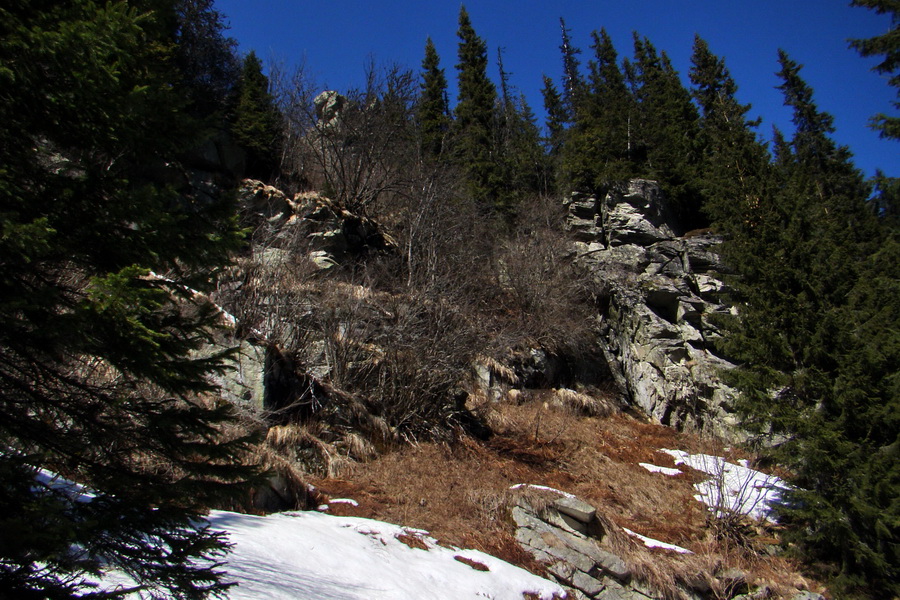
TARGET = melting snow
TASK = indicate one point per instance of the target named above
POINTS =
(731, 487)
(313, 556)
(349, 501)
(657, 469)
(47, 480)
(651, 543)
(541, 487)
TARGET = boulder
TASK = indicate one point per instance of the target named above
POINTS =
(329, 105)
(307, 224)
(259, 201)
(577, 557)
(243, 383)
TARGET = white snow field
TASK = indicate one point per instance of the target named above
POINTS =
(313, 556)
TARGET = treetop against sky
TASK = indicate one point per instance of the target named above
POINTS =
(334, 41)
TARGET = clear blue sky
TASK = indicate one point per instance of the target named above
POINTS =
(335, 39)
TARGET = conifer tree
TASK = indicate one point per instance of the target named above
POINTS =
(561, 106)
(433, 110)
(573, 84)
(888, 46)
(100, 375)
(598, 152)
(556, 116)
(256, 123)
(734, 164)
(204, 56)
(524, 168)
(816, 282)
(886, 202)
(473, 143)
(666, 132)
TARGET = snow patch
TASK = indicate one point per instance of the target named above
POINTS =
(349, 501)
(48, 480)
(651, 543)
(541, 487)
(733, 487)
(314, 556)
(664, 470)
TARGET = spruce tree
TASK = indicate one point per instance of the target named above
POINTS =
(473, 140)
(525, 169)
(734, 164)
(598, 152)
(665, 138)
(256, 122)
(433, 110)
(888, 46)
(819, 356)
(556, 116)
(886, 201)
(204, 56)
(100, 376)
(573, 84)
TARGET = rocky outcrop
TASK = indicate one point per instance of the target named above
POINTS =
(287, 229)
(565, 535)
(306, 223)
(663, 292)
(329, 105)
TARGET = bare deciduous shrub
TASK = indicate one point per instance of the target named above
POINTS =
(548, 301)
(398, 359)
(427, 347)
(363, 151)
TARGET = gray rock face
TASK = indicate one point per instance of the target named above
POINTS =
(664, 293)
(244, 383)
(329, 105)
(307, 223)
(808, 596)
(568, 538)
(558, 536)
(636, 215)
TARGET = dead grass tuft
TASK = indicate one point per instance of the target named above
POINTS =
(358, 447)
(308, 450)
(412, 540)
(498, 369)
(583, 404)
(539, 500)
(472, 563)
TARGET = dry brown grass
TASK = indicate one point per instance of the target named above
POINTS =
(461, 493)
(412, 540)
(472, 563)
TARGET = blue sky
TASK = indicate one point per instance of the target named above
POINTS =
(335, 39)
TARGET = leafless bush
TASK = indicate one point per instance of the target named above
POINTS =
(269, 292)
(294, 93)
(544, 292)
(363, 153)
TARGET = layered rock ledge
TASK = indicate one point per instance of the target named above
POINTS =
(664, 292)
